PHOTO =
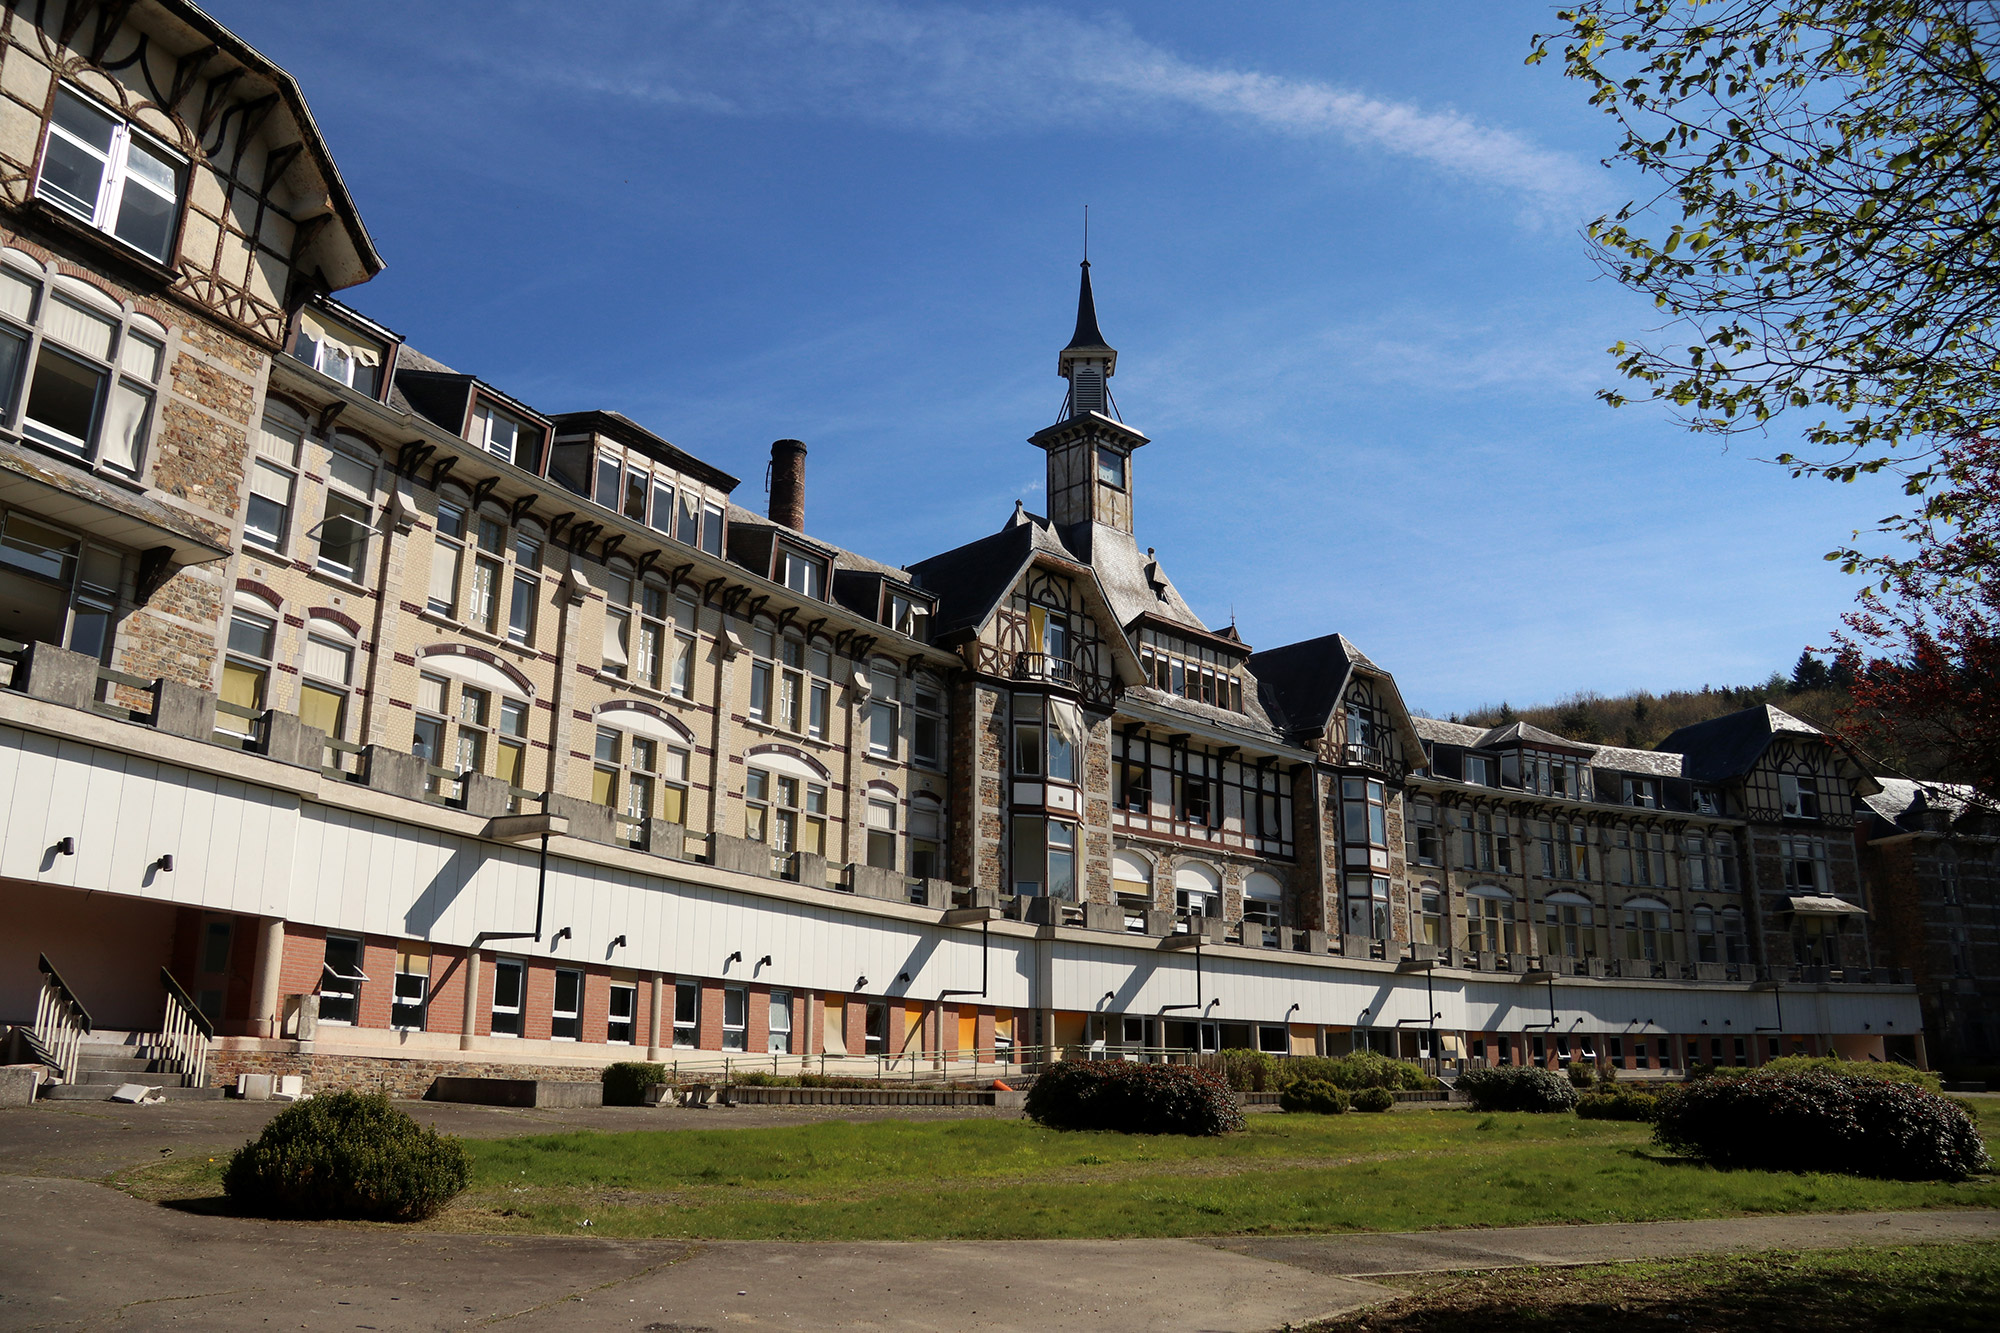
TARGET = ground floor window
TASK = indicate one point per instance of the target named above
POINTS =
(618, 1014)
(413, 989)
(340, 980)
(565, 1017)
(509, 975)
(735, 1018)
(1273, 1040)
(875, 1036)
(687, 1013)
(781, 1023)
(1003, 1039)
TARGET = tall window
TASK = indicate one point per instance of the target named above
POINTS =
(735, 1018)
(326, 674)
(1648, 932)
(274, 478)
(617, 649)
(1490, 925)
(1568, 929)
(1423, 833)
(246, 671)
(349, 515)
(566, 1010)
(1804, 862)
(1363, 815)
(525, 593)
(92, 370)
(111, 176)
(413, 988)
(1263, 900)
(340, 981)
(620, 1007)
(488, 574)
(447, 554)
(57, 588)
(927, 735)
(780, 1042)
(1044, 857)
(509, 987)
(787, 812)
(1431, 907)
(1707, 942)
(1368, 907)
(882, 832)
(681, 682)
(926, 840)
(1799, 793)
(687, 1013)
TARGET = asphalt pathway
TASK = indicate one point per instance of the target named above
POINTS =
(76, 1254)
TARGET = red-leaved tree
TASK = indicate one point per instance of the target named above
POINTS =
(1924, 642)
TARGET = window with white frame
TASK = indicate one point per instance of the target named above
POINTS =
(882, 831)
(1805, 866)
(274, 478)
(1111, 467)
(927, 735)
(735, 1018)
(509, 989)
(448, 553)
(460, 727)
(1648, 931)
(1263, 900)
(687, 625)
(411, 1001)
(1424, 848)
(1198, 672)
(1479, 771)
(511, 743)
(712, 520)
(885, 720)
(506, 436)
(246, 668)
(909, 615)
(1490, 923)
(338, 352)
(687, 1014)
(803, 574)
(1043, 853)
(1197, 890)
(489, 573)
(566, 1010)
(1642, 792)
(525, 591)
(1368, 907)
(349, 513)
(79, 372)
(1567, 928)
(57, 588)
(326, 674)
(926, 839)
(1363, 811)
(616, 658)
(111, 176)
(640, 776)
(340, 981)
(1432, 915)
(620, 1006)
(786, 812)
(788, 688)
(1707, 940)
(780, 1042)
(1799, 793)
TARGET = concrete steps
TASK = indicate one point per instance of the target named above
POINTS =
(101, 1092)
(103, 1067)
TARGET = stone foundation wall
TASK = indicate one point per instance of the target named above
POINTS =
(369, 1073)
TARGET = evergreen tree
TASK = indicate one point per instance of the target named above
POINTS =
(1810, 673)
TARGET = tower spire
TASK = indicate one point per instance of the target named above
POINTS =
(1088, 361)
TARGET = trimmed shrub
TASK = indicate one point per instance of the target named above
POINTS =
(1821, 1121)
(1250, 1071)
(1581, 1076)
(1314, 1096)
(1621, 1104)
(1886, 1070)
(347, 1155)
(1607, 1074)
(1374, 1099)
(1362, 1069)
(1133, 1098)
(626, 1082)
(1517, 1088)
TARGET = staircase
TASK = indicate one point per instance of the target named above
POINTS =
(103, 1066)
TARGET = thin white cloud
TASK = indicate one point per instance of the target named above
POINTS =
(962, 70)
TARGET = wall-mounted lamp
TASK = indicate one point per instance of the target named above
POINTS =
(1865, 1027)
(1365, 1012)
(765, 961)
(560, 936)
(1293, 1010)
(1704, 1022)
(1729, 1022)
(736, 957)
(861, 983)
(1109, 996)
(618, 943)
(1890, 1023)
(66, 847)
(166, 862)
(903, 977)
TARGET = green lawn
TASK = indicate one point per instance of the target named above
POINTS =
(981, 1179)
(1932, 1288)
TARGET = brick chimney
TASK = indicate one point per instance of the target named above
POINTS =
(788, 484)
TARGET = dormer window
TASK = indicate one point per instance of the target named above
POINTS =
(802, 573)
(338, 353)
(111, 176)
(1642, 792)
(910, 616)
(504, 436)
(1111, 468)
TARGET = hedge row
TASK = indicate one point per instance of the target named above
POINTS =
(1133, 1098)
(1821, 1120)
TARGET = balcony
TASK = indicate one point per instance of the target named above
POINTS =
(1047, 669)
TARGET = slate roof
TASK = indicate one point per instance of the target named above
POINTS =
(1902, 796)
(1086, 335)
(1134, 582)
(842, 557)
(970, 580)
(1304, 681)
(1449, 733)
(1523, 733)
(1659, 763)
(1727, 746)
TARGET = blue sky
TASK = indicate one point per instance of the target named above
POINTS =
(1336, 246)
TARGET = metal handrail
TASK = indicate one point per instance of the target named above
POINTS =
(185, 1033)
(61, 1022)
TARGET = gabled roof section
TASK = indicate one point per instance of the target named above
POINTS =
(618, 426)
(1439, 731)
(1729, 746)
(1902, 800)
(1522, 733)
(1653, 763)
(970, 581)
(1134, 582)
(344, 255)
(843, 559)
(1303, 682)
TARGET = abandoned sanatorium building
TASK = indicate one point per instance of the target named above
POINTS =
(373, 721)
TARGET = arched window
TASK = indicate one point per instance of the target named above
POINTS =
(1197, 890)
(642, 765)
(246, 670)
(1567, 933)
(1263, 899)
(326, 673)
(927, 840)
(1648, 931)
(1132, 873)
(1490, 925)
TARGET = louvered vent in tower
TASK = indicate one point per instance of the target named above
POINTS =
(1086, 389)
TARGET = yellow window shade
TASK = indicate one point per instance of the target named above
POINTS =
(322, 708)
(243, 685)
(602, 785)
(673, 805)
(414, 958)
(513, 768)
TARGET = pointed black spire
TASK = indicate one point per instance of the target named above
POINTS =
(1087, 334)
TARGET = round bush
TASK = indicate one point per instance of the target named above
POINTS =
(1517, 1088)
(1618, 1104)
(1820, 1121)
(626, 1082)
(1250, 1071)
(1133, 1098)
(1314, 1096)
(1374, 1099)
(1581, 1076)
(348, 1155)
